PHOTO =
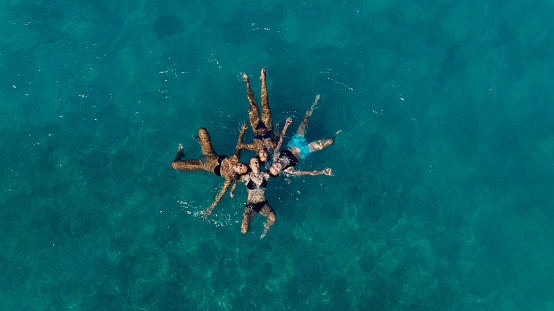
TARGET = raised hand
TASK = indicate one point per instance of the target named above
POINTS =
(288, 121)
(208, 211)
(328, 171)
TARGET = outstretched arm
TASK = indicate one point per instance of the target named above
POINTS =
(239, 143)
(276, 136)
(291, 171)
(219, 195)
(239, 178)
(276, 151)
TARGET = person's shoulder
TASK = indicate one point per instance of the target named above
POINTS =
(244, 178)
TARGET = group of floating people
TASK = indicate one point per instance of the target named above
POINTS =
(265, 141)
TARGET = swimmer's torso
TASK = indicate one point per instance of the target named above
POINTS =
(255, 186)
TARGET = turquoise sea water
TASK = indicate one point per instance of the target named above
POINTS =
(441, 198)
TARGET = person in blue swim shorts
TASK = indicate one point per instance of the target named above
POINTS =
(298, 148)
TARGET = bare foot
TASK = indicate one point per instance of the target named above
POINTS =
(245, 77)
(263, 234)
(180, 151)
(203, 135)
(262, 77)
(313, 106)
(328, 171)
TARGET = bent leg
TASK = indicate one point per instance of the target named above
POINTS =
(246, 219)
(270, 214)
(266, 112)
(320, 144)
(186, 165)
(304, 125)
(205, 142)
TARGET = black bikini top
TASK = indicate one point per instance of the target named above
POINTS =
(217, 169)
(251, 185)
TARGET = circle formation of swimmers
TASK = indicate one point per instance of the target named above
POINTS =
(264, 142)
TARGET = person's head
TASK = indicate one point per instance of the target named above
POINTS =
(241, 168)
(255, 164)
(275, 169)
(263, 154)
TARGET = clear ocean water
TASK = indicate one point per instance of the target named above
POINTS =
(441, 198)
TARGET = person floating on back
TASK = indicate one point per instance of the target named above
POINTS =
(297, 149)
(227, 167)
(256, 181)
(262, 124)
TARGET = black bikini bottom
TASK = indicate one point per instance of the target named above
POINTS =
(217, 169)
(256, 207)
(262, 137)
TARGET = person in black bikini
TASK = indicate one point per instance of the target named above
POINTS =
(262, 124)
(256, 181)
(227, 167)
(298, 148)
